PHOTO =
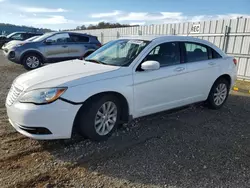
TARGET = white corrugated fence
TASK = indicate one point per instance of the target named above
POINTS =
(231, 35)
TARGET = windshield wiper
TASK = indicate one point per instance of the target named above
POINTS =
(95, 61)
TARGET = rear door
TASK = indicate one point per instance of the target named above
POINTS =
(77, 45)
(57, 49)
(202, 69)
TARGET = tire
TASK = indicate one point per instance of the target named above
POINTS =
(90, 114)
(218, 94)
(87, 54)
(32, 61)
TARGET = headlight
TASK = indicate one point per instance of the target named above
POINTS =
(42, 96)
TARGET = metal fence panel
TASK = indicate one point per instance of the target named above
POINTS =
(247, 71)
(235, 42)
(245, 45)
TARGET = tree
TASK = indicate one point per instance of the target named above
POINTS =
(103, 25)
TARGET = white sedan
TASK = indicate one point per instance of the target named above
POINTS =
(125, 79)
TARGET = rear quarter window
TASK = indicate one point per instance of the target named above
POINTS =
(215, 55)
(79, 38)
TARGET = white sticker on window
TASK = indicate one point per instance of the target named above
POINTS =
(139, 42)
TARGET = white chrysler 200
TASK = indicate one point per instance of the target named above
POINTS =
(124, 79)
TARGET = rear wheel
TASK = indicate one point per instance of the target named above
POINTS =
(99, 119)
(31, 61)
(218, 94)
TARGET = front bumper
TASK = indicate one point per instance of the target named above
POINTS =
(11, 55)
(43, 122)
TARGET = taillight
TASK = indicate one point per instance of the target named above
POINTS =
(99, 45)
(235, 61)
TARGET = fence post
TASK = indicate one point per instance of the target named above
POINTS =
(226, 38)
(172, 31)
(139, 32)
(117, 35)
(102, 38)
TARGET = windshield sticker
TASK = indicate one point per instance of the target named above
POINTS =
(139, 42)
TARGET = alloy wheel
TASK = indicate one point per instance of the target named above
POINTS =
(106, 118)
(32, 62)
(220, 94)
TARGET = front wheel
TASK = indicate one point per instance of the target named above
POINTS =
(99, 119)
(218, 94)
(32, 61)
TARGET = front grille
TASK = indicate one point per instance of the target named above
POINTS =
(13, 94)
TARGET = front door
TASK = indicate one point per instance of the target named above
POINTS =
(161, 89)
(57, 49)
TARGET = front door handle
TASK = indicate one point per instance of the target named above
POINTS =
(179, 69)
(211, 63)
(64, 46)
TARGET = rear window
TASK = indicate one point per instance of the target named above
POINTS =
(78, 38)
(196, 52)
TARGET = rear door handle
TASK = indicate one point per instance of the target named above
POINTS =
(179, 69)
(211, 63)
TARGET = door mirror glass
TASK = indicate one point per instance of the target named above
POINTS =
(150, 65)
(49, 41)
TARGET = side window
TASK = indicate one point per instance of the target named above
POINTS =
(78, 38)
(166, 54)
(18, 36)
(60, 38)
(27, 36)
(196, 52)
(83, 39)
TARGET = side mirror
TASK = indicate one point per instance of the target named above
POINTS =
(49, 41)
(150, 65)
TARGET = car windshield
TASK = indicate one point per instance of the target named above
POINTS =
(42, 37)
(10, 35)
(118, 52)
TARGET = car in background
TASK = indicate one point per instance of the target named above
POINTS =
(52, 47)
(13, 43)
(124, 79)
(20, 36)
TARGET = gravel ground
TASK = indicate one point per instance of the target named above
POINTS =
(188, 147)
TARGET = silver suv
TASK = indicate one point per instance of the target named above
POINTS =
(52, 47)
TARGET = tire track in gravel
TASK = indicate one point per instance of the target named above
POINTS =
(25, 167)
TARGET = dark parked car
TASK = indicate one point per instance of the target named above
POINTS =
(17, 36)
(52, 47)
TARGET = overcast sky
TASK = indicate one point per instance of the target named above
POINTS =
(65, 14)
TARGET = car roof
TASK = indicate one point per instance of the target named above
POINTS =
(71, 32)
(177, 38)
(161, 37)
(27, 32)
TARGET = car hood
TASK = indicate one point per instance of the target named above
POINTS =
(62, 74)
(12, 44)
